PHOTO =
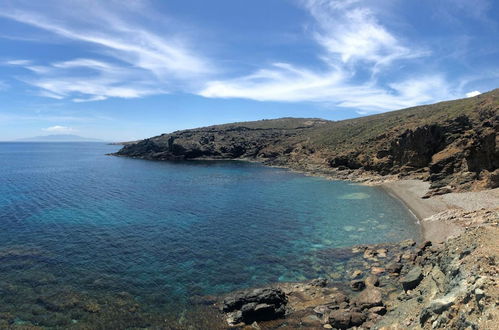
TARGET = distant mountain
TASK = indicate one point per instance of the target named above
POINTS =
(59, 138)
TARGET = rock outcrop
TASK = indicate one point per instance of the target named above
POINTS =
(454, 144)
(255, 305)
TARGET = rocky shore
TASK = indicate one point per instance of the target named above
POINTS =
(450, 283)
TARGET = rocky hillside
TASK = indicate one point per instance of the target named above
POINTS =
(452, 144)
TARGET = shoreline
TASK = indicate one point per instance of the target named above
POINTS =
(432, 213)
(429, 212)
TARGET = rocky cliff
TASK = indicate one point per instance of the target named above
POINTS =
(453, 144)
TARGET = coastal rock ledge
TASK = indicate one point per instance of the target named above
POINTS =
(450, 285)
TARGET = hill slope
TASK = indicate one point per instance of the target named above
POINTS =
(452, 144)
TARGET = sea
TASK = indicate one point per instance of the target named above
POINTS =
(93, 241)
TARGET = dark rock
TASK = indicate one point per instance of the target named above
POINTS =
(357, 285)
(319, 282)
(266, 295)
(412, 279)
(255, 305)
(357, 318)
(340, 319)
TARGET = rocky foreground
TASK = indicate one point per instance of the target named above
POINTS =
(451, 285)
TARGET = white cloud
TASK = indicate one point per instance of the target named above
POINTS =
(352, 39)
(59, 129)
(142, 59)
(474, 93)
(353, 33)
(17, 62)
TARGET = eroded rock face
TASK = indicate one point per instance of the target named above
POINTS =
(255, 305)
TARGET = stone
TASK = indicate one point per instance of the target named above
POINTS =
(380, 310)
(394, 267)
(368, 298)
(357, 285)
(339, 298)
(372, 280)
(357, 318)
(377, 270)
(407, 243)
(255, 305)
(319, 282)
(370, 254)
(321, 309)
(412, 279)
(235, 317)
(255, 326)
(339, 319)
(381, 253)
(356, 274)
(409, 256)
(479, 294)
(425, 244)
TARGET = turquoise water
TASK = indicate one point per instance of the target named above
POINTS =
(96, 230)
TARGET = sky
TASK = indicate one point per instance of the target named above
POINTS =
(125, 70)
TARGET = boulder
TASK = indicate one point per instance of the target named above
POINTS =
(340, 319)
(255, 305)
(368, 298)
(345, 319)
(412, 279)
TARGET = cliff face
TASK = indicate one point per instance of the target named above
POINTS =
(452, 144)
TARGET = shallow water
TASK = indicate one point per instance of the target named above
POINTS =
(87, 238)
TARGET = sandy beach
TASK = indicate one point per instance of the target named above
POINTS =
(434, 213)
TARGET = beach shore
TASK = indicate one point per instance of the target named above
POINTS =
(433, 213)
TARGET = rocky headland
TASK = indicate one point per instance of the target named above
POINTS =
(441, 160)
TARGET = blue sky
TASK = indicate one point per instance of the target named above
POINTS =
(122, 70)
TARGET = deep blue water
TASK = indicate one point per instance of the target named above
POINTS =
(162, 232)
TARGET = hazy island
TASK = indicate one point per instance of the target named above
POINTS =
(441, 160)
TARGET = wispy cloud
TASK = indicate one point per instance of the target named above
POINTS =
(353, 41)
(353, 33)
(144, 62)
(59, 129)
